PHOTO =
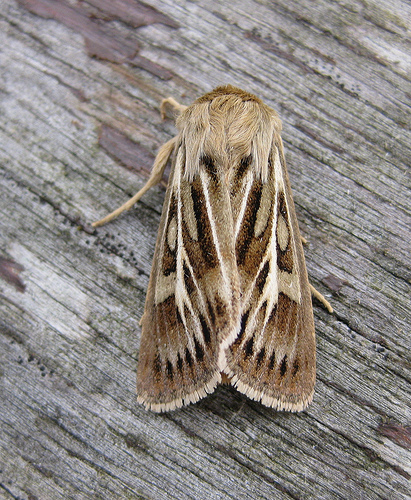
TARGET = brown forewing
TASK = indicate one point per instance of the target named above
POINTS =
(192, 303)
(273, 356)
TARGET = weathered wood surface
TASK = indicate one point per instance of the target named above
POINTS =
(80, 85)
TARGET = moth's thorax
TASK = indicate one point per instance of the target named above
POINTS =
(228, 126)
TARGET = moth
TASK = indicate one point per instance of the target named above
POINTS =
(228, 296)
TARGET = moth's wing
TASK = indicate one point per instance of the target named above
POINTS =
(187, 317)
(272, 358)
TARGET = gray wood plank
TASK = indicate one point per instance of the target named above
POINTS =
(80, 85)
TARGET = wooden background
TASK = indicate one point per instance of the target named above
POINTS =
(80, 85)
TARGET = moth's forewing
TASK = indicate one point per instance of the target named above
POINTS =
(193, 297)
(273, 356)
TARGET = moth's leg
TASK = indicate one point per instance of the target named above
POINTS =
(303, 240)
(158, 168)
(173, 103)
(321, 298)
(156, 175)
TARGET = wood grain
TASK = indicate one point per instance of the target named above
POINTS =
(80, 86)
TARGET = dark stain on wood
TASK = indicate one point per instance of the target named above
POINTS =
(397, 433)
(334, 283)
(9, 271)
(102, 40)
(130, 154)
